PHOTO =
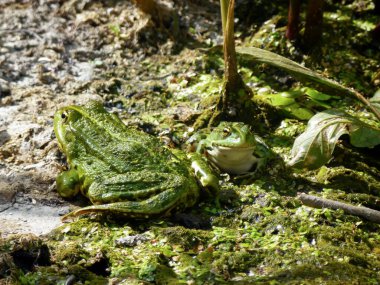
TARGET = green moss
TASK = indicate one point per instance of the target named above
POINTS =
(187, 239)
(260, 235)
(54, 275)
(350, 181)
(263, 237)
(234, 263)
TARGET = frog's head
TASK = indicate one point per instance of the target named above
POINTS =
(231, 146)
(68, 181)
(232, 135)
(62, 119)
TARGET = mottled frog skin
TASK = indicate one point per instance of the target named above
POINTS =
(122, 170)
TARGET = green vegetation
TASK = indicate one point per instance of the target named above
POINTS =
(262, 234)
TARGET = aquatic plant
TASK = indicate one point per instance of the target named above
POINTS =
(314, 148)
(235, 100)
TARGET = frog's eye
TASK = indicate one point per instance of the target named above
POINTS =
(64, 117)
(226, 131)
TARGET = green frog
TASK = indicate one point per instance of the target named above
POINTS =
(122, 170)
(234, 148)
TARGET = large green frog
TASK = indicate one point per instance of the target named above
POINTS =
(122, 170)
(234, 148)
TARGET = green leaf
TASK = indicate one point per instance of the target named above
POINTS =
(298, 112)
(279, 99)
(364, 135)
(320, 103)
(287, 102)
(294, 68)
(315, 146)
(316, 95)
(305, 74)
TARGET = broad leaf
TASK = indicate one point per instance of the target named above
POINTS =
(316, 95)
(315, 146)
(298, 103)
(296, 111)
(294, 68)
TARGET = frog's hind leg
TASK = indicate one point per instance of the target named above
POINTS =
(133, 186)
(160, 204)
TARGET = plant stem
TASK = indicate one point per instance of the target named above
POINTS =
(377, 7)
(163, 16)
(367, 103)
(234, 102)
(223, 12)
(147, 6)
(313, 26)
(292, 30)
(376, 33)
(231, 74)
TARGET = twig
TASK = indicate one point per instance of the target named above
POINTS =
(367, 103)
(318, 202)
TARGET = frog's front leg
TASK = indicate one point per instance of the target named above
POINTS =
(68, 184)
(264, 155)
(261, 163)
(204, 173)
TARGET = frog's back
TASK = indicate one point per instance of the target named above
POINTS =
(104, 136)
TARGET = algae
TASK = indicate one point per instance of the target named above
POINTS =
(261, 234)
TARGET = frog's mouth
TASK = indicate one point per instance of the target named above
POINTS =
(234, 160)
(60, 118)
(232, 143)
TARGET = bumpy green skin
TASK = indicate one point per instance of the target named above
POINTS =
(234, 148)
(121, 170)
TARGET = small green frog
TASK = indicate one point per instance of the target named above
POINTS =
(122, 170)
(234, 148)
